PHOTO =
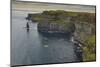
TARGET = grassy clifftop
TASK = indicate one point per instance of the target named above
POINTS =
(53, 15)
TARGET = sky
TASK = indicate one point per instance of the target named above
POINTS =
(39, 7)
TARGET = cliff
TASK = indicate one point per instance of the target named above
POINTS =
(53, 22)
(52, 27)
(79, 24)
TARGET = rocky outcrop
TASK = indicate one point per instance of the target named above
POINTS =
(31, 17)
(56, 28)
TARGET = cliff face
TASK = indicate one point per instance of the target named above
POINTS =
(83, 31)
(52, 27)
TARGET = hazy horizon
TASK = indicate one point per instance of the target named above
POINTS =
(39, 7)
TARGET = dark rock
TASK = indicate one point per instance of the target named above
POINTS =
(46, 27)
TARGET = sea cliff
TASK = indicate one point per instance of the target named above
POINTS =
(81, 25)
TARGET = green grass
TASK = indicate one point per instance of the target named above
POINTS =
(89, 50)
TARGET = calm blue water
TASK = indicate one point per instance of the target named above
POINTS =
(29, 47)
